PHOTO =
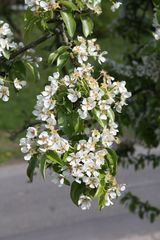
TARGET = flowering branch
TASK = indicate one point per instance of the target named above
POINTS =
(76, 111)
(25, 48)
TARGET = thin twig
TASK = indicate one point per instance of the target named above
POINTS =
(27, 47)
(27, 124)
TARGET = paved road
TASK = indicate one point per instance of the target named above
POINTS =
(42, 211)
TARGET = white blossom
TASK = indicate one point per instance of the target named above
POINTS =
(156, 25)
(88, 104)
(73, 95)
(92, 182)
(115, 6)
(19, 84)
(83, 114)
(47, 5)
(101, 58)
(84, 202)
(58, 179)
(31, 132)
(6, 39)
(4, 93)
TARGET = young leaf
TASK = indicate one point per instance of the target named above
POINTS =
(76, 190)
(33, 70)
(101, 122)
(6, 54)
(62, 59)
(69, 21)
(54, 157)
(31, 167)
(69, 123)
(43, 165)
(112, 160)
(19, 69)
(101, 192)
(67, 182)
(87, 25)
(52, 57)
(111, 114)
(30, 22)
(62, 49)
(68, 4)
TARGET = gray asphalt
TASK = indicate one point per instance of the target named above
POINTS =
(42, 211)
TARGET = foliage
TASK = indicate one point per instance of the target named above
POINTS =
(140, 67)
(143, 209)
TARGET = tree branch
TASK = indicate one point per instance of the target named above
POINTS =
(27, 124)
(25, 48)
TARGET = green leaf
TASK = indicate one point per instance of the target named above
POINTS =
(62, 59)
(78, 123)
(111, 114)
(69, 21)
(33, 70)
(43, 162)
(31, 167)
(6, 54)
(30, 21)
(68, 4)
(101, 122)
(96, 2)
(62, 49)
(19, 69)
(66, 154)
(52, 57)
(112, 160)
(69, 122)
(87, 25)
(101, 192)
(67, 182)
(76, 190)
(54, 157)
(44, 24)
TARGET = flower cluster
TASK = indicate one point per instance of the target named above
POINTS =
(112, 193)
(50, 5)
(6, 39)
(4, 91)
(65, 109)
(156, 25)
(47, 138)
(93, 5)
(88, 48)
(7, 45)
(36, 5)
(115, 6)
